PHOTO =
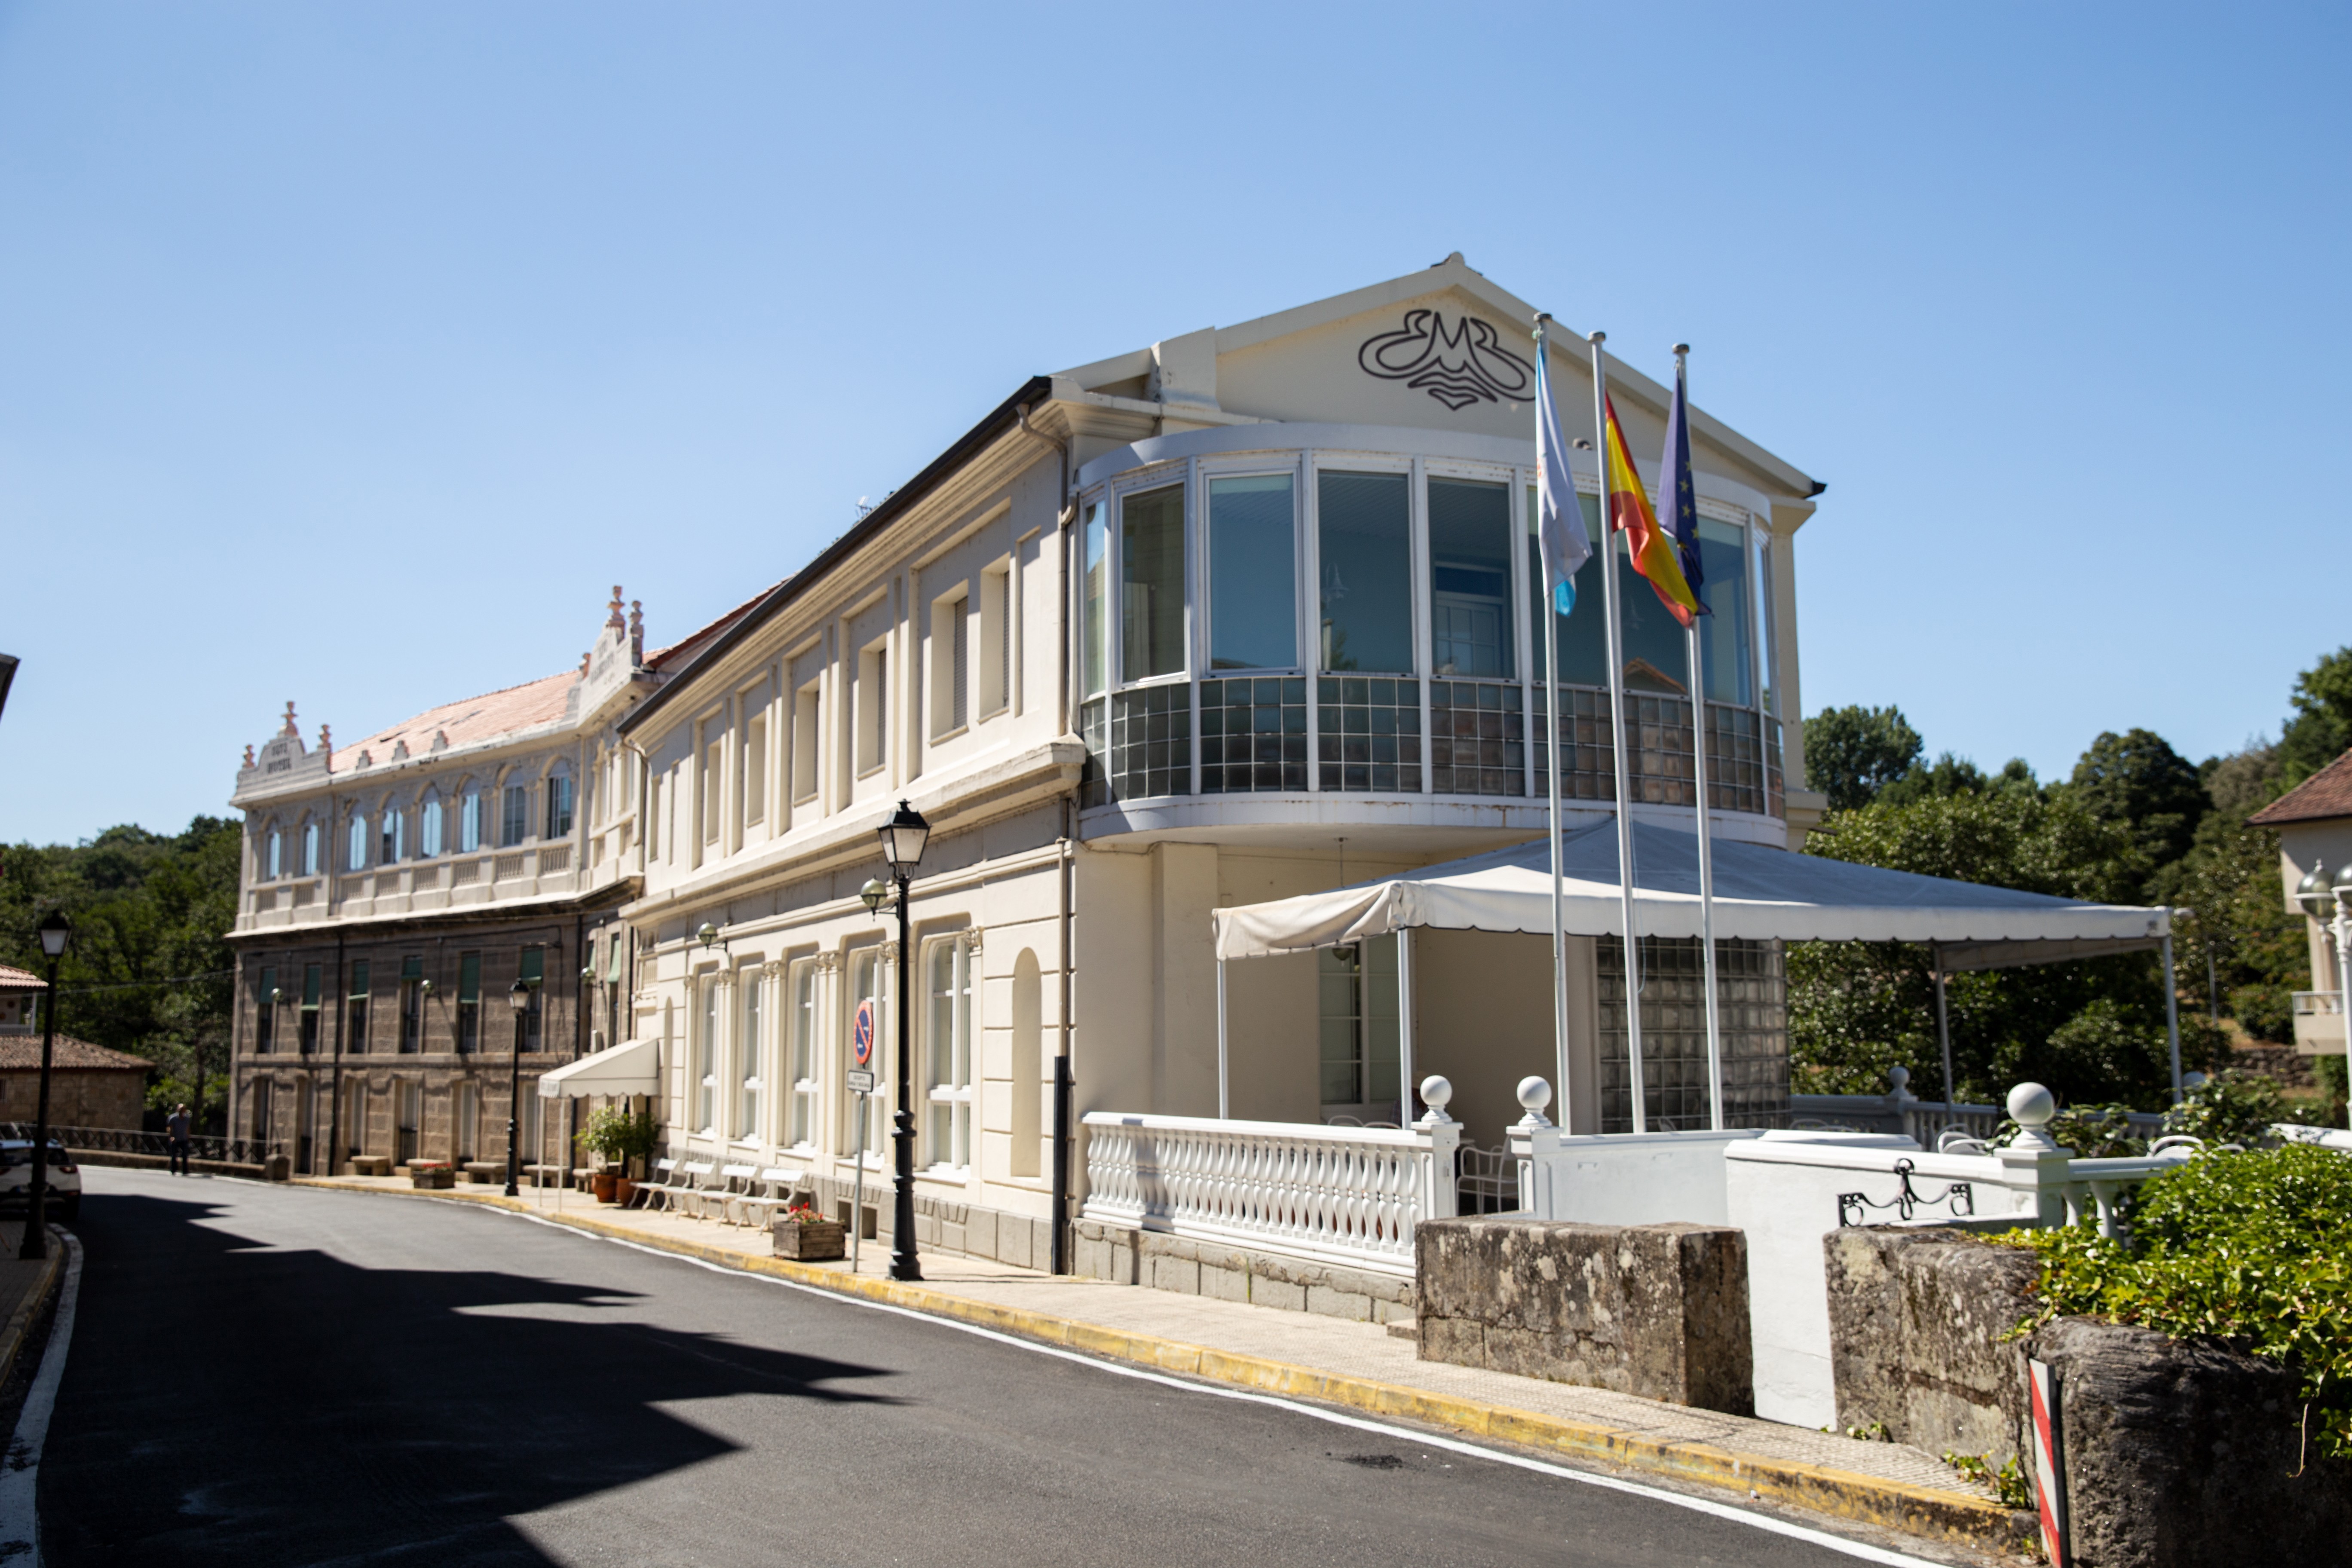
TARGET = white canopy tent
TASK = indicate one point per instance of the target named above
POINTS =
(630, 1067)
(1760, 894)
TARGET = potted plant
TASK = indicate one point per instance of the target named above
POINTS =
(800, 1232)
(431, 1176)
(617, 1137)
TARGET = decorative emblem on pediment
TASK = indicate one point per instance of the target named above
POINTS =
(1457, 365)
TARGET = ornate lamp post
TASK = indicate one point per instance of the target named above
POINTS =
(518, 998)
(903, 838)
(56, 931)
(2335, 916)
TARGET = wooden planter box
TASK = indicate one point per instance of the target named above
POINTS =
(810, 1241)
(431, 1178)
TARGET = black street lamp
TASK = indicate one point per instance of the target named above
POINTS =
(518, 998)
(903, 838)
(56, 931)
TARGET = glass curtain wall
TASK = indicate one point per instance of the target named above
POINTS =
(1253, 575)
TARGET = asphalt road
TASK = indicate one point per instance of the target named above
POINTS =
(283, 1375)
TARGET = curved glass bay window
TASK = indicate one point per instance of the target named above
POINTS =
(1352, 617)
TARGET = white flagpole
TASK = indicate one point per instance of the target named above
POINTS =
(1618, 739)
(1551, 751)
(1706, 850)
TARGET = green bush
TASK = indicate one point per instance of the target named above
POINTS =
(2253, 1248)
(2232, 1107)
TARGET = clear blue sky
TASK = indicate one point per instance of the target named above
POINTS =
(351, 352)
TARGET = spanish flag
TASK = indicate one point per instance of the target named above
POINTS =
(1652, 548)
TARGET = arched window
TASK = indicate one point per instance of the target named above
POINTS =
(559, 801)
(514, 812)
(273, 853)
(355, 857)
(396, 822)
(311, 848)
(469, 819)
(428, 826)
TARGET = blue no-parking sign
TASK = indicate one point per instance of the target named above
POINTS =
(861, 1034)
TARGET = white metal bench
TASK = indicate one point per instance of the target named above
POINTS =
(759, 1208)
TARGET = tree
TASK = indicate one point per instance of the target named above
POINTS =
(2321, 728)
(2139, 783)
(1852, 753)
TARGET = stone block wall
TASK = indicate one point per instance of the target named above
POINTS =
(1658, 1310)
(2178, 1452)
(1126, 1256)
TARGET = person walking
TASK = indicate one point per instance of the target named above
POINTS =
(176, 1128)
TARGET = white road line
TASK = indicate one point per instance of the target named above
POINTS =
(1854, 1549)
(20, 1524)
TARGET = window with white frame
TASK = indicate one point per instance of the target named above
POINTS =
(1152, 582)
(749, 1049)
(873, 709)
(996, 639)
(428, 826)
(805, 733)
(559, 801)
(948, 1042)
(755, 769)
(713, 752)
(867, 983)
(515, 816)
(799, 1129)
(1359, 1040)
(1253, 573)
(472, 823)
(706, 1060)
(950, 662)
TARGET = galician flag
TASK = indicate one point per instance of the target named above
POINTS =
(1651, 550)
(1559, 520)
(1676, 488)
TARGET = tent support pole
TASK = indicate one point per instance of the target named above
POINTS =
(1943, 1027)
(1404, 1027)
(2172, 1017)
(1224, 1103)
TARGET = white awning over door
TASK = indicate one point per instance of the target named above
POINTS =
(628, 1069)
(1760, 894)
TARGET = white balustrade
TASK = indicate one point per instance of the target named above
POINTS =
(1346, 1195)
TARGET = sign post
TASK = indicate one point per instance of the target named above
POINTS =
(861, 1084)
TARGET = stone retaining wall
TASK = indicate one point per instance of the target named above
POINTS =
(1132, 1257)
(2178, 1452)
(1658, 1310)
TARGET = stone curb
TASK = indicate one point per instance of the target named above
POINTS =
(20, 1322)
(1820, 1489)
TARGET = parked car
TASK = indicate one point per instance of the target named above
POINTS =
(17, 1178)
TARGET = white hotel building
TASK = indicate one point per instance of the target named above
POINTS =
(1249, 613)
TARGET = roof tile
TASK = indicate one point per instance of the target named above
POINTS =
(2326, 794)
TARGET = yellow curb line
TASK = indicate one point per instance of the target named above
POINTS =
(20, 1322)
(1821, 1488)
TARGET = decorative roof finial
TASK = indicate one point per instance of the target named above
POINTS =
(248, 756)
(583, 667)
(613, 620)
(637, 631)
(290, 729)
(326, 738)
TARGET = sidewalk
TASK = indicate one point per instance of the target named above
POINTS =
(1361, 1366)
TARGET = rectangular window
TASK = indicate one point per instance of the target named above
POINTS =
(355, 846)
(265, 1016)
(1364, 536)
(534, 974)
(866, 989)
(996, 640)
(654, 818)
(309, 1020)
(712, 762)
(428, 831)
(1357, 1010)
(1152, 582)
(1094, 633)
(515, 825)
(273, 854)
(755, 769)
(469, 1001)
(959, 665)
(465, 1123)
(1727, 635)
(749, 1079)
(408, 1101)
(1253, 575)
(951, 663)
(873, 709)
(802, 1132)
(806, 732)
(355, 1010)
(559, 805)
(311, 848)
(705, 1061)
(412, 1003)
(947, 1137)
(1581, 637)
(1470, 630)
